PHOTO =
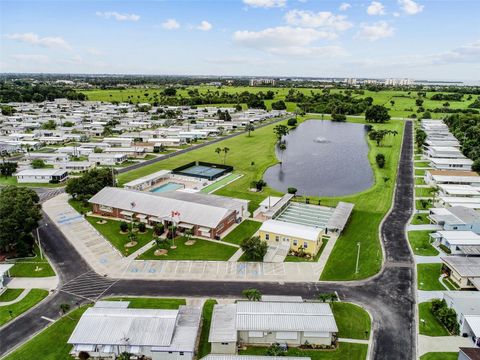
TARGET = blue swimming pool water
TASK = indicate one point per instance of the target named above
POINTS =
(167, 187)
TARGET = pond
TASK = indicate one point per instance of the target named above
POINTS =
(323, 158)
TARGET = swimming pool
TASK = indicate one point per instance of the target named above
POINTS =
(169, 186)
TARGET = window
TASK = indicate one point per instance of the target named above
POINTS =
(277, 238)
(225, 343)
(267, 237)
(295, 242)
(181, 353)
(305, 245)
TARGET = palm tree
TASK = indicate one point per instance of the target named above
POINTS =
(282, 147)
(218, 151)
(252, 294)
(225, 150)
(64, 308)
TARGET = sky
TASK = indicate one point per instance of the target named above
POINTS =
(418, 39)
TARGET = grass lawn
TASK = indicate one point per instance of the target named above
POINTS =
(419, 181)
(244, 230)
(440, 356)
(50, 344)
(421, 164)
(420, 172)
(31, 267)
(216, 185)
(10, 295)
(10, 312)
(201, 250)
(419, 206)
(12, 180)
(431, 326)
(344, 351)
(423, 192)
(204, 346)
(80, 206)
(420, 243)
(428, 275)
(149, 303)
(353, 322)
(419, 219)
(111, 232)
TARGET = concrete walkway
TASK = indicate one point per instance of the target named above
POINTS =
(422, 227)
(105, 259)
(428, 344)
(428, 259)
(47, 283)
(429, 295)
(354, 341)
(19, 298)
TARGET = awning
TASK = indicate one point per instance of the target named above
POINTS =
(141, 216)
(186, 225)
(203, 229)
(84, 347)
(134, 349)
(155, 219)
(435, 235)
(126, 213)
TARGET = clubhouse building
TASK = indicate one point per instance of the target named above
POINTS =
(204, 215)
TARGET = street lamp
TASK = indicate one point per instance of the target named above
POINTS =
(358, 257)
(38, 240)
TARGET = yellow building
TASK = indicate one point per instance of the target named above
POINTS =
(277, 233)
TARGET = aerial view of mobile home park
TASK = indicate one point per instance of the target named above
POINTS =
(237, 194)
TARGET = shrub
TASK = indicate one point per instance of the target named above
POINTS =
(254, 248)
(123, 226)
(292, 122)
(158, 229)
(292, 190)
(380, 159)
(142, 227)
(446, 315)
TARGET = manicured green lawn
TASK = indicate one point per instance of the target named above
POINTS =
(244, 230)
(423, 192)
(419, 219)
(345, 351)
(111, 232)
(201, 250)
(50, 344)
(12, 180)
(31, 267)
(204, 346)
(421, 164)
(419, 181)
(10, 295)
(430, 326)
(10, 312)
(353, 322)
(149, 303)
(80, 206)
(419, 206)
(420, 172)
(420, 243)
(440, 356)
(216, 185)
(428, 275)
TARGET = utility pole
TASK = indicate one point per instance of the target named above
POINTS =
(358, 257)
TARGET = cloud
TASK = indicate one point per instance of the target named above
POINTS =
(118, 16)
(310, 19)
(94, 51)
(266, 4)
(375, 31)
(286, 40)
(410, 7)
(205, 26)
(31, 58)
(344, 6)
(170, 24)
(34, 39)
(376, 8)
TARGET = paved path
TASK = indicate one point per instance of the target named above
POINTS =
(389, 296)
(428, 259)
(422, 227)
(47, 283)
(423, 295)
(428, 344)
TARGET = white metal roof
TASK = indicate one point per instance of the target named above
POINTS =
(465, 266)
(223, 325)
(4, 268)
(41, 172)
(154, 176)
(291, 229)
(340, 215)
(158, 205)
(460, 237)
(276, 316)
(281, 298)
(111, 326)
(112, 304)
(474, 323)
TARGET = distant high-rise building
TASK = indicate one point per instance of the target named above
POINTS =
(257, 82)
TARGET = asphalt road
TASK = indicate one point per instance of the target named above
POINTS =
(389, 296)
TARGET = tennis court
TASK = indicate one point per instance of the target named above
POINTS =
(203, 170)
(304, 214)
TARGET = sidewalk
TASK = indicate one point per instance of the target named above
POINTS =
(19, 298)
(428, 344)
(47, 283)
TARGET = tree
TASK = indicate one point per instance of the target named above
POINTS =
(89, 183)
(142, 227)
(38, 164)
(225, 152)
(292, 122)
(338, 117)
(392, 102)
(252, 294)
(158, 229)
(380, 159)
(281, 131)
(218, 151)
(279, 105)
(377, 114)
(170, 91)
(258, 184)
(292, 190)
(254, 248)
(8, 110)
(476, 165)
(49, 125)
(83, 355)
(419, 102)
(19, 216)
(97, 150)
(282, 147)
(64, 308)
(7, 168)
(123, 226)
(249, 128)
(420, 137)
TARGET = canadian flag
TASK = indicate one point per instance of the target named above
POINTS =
(175, 213)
